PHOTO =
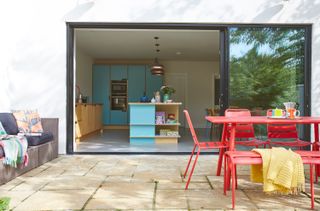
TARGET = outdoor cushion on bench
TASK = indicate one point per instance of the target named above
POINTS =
(9, 123)
(37, 140)
(1, 153)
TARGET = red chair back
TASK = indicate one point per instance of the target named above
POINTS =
(242, 130)
(193, 133)
(281, 130)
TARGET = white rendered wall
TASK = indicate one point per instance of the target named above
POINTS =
(33, 40)
(200, 86)
(84, 73)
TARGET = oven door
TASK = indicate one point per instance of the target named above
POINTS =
(119, 103)
(119, 88)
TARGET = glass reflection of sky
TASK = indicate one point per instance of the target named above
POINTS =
(240, 49)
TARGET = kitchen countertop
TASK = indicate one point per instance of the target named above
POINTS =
(140, 103)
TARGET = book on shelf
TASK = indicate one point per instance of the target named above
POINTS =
(160, 117)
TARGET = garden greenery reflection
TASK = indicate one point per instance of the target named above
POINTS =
(266, 69)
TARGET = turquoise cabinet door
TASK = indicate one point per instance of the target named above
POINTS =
(153, 83)
(101, 89)
(136, 82)
(119, 72)
(118, 117)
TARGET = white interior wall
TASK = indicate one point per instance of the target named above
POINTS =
(200, 86)
(84, 73)
(33, 40)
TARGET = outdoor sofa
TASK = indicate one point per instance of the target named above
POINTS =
(41, 149)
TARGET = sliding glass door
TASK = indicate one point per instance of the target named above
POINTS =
(266, 68)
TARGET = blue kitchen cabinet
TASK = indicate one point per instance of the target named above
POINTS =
(153, 83)
(136, 82)
(118, 117)
(101, 89)
(119, 72)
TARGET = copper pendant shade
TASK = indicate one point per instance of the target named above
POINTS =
(156, 68)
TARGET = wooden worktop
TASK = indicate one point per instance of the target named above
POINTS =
(140, 103)
(88, 104)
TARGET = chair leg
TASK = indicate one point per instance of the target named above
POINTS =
(193, 166)
(221, 152)
(211, 131)
(311, 186)
(225, 175)
(316, 173)
(192, 153)
(233, 174)
(229, 168)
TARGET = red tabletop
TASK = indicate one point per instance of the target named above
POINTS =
(263, 120)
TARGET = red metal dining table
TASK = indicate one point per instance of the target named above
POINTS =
(233, 121)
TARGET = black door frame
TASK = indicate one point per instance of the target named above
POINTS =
(224, 61)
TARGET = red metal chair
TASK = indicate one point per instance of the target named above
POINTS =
(244, 132)
(234, 158)
(288, 132)
(201, 146)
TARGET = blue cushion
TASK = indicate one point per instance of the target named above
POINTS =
(9, 123)
(37, 140)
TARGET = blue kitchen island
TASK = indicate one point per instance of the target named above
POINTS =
(144, 129)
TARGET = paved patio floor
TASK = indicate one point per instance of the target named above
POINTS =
(139, 182)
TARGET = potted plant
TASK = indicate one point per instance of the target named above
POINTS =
(167, 92)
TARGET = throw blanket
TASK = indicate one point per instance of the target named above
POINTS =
(15, 150)
(281, 172)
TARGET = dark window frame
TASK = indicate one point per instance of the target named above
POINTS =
(224, 62)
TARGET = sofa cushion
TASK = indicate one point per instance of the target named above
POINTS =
(1, 152)
(9, 123)
(37, 140)
(2, 130)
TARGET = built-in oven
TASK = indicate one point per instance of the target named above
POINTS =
(119, 103)
(119, 95)
(119, 87)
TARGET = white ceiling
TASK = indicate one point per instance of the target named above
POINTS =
(140, 44)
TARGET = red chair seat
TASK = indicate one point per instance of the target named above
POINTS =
(295, 143)
(211, 145)
(252, 143)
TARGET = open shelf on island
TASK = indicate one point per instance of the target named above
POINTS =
(169, 124)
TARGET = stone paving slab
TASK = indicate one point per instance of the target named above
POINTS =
(139, 182)
(56, 200)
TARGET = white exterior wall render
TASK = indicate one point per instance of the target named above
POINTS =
(33, 40)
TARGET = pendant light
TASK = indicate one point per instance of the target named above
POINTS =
(156, 68)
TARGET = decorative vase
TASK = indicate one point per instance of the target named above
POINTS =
(166, 97)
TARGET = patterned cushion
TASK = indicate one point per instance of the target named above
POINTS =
(2, 130)
(28, 121)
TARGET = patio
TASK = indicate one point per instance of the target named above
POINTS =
(148, 182)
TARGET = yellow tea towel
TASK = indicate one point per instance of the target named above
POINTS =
(281, 172)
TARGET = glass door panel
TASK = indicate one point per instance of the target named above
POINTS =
(266, 69)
